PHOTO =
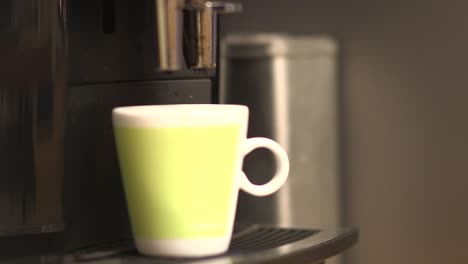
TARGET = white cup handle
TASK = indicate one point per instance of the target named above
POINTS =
(282, 167)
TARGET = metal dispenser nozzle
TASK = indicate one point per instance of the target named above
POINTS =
(199, 32)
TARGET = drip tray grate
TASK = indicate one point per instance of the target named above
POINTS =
(254, 244)
(262, 238)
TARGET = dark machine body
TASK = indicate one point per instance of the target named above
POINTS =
(64, 64)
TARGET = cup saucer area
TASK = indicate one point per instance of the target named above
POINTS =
(249, 244)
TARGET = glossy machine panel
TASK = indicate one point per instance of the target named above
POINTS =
(63, 66)
(32, 110)
(95, 204)
(113, 61)
(116, 40)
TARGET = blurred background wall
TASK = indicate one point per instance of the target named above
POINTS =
(404, 118)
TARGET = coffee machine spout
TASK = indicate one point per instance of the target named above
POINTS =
(169, 33)
(189, 25)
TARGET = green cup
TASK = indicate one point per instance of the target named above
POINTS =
(181, 167)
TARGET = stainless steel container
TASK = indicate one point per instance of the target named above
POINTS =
(289, 84)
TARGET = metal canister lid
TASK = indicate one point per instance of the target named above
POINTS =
(272, 45)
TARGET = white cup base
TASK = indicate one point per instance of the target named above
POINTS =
(183, 248)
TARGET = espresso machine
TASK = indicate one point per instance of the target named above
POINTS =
(64, 64)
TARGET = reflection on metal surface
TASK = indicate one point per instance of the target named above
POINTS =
(289, 84)
(32, 84)
(281, 131)
(200, 21)
(169, 33)
(199, 32)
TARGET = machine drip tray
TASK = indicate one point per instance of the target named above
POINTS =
(262, 238)
(252, 244)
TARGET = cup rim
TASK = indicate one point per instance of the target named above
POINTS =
(178, 114)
